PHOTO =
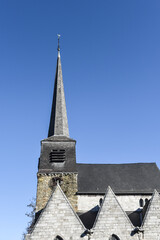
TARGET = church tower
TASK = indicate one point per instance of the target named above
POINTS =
(57, 160)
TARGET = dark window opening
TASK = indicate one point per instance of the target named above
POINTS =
(58, 238)
(100, 201)
(141, 202)
(57, 155)
(146, 200)
(114, 237)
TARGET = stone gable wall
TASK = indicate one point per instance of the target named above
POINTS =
(151, 225)
(58, 218)
(112, 220)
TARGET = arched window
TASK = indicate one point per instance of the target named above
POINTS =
(100, 201)
(58, 238)
(141, 203)
(114, 237)
(146, 200)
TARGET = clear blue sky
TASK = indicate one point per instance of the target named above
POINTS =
(110, 53)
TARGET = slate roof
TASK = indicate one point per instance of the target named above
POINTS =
(135, 218)
(134, 178)
(88, 218)
(58, 120)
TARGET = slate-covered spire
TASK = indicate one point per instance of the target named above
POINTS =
(58, 121)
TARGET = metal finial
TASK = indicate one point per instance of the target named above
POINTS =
(58, 42)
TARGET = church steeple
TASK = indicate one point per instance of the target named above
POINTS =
(58, 151)
(58, 121)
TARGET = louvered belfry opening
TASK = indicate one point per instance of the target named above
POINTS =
(57, 155)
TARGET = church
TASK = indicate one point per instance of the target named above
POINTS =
(90, 201)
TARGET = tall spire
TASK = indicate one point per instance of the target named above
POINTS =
(58, 121)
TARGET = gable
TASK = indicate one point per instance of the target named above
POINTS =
(151, 222)
(112, 220)
(57, 219)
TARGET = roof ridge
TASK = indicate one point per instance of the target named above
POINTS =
(117, 163)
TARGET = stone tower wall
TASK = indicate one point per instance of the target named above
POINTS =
(45, 186)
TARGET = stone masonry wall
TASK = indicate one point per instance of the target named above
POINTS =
(151, 225)
(112, 219)
(57, 219)
(45, 184)
(128, 202)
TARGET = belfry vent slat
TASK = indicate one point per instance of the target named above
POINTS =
(57, 155)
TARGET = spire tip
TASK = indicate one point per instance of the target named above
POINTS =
(58, 42)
